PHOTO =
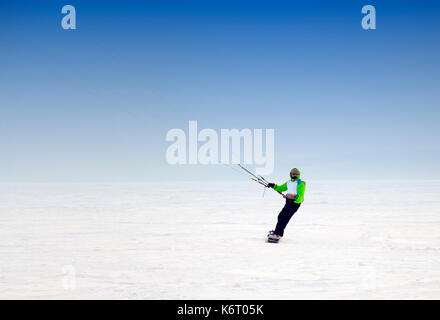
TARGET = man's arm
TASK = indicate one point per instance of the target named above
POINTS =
(301, 189)
(281, 188)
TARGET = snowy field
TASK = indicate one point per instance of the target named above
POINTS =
(349, 240)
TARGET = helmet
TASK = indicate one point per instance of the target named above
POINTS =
(294, 173)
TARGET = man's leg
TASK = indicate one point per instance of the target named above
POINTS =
(284, 217)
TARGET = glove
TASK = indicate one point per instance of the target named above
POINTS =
(271, 185)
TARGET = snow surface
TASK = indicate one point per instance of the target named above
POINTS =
(349, 240)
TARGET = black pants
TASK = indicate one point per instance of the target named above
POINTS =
(284, 217)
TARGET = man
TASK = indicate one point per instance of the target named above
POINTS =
(295, 189)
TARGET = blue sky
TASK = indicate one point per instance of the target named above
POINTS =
(95, 104)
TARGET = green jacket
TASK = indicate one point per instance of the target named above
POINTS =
(300, 190)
